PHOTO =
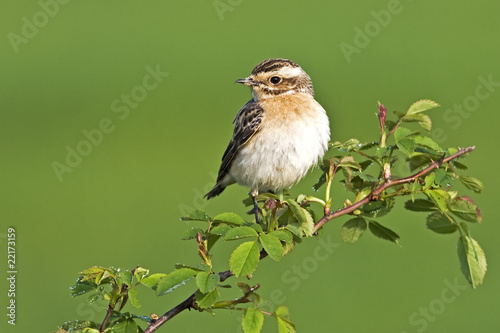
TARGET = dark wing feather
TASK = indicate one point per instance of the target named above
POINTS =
(246, 124)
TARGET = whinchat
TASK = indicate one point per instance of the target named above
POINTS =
(278, 135)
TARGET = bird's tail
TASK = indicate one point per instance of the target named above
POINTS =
(218, 188)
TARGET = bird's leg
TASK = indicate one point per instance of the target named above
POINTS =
(255, 209)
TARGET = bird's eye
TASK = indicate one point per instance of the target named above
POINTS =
(275, 80)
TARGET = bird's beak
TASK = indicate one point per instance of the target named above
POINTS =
(248, 81)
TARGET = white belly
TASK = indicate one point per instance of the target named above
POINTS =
(282, 152)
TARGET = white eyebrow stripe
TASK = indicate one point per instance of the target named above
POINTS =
(290, 71)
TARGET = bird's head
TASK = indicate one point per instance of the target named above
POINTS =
(274, 77)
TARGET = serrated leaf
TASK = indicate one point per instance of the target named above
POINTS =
(367, 177)
(152, 280)
(303, 217)
(472, 183)
(401, 133)
(174, 280)
(439, 197)
(132, 297)
(427, 142)
(377, 208)
(464, 209)
(126, 326)
(353, 229)
(348, 161)
(472, 260)
(253, 319)
(459, 165)
(240, 233)
(206, 300)
(198, 268)
(368, 145)
(220, 230)
(272, 245)
(422, 119)
(320, 182)
(82, 287)
(406, 145)
(229, 218)
(295, 229)
(284, 323)
(422, 105)
(444, 178)
(191, 233)
(244, 259)
(383, 232)
(440, 224)
(207, 282)
(420, 205)
(196, 215)
(282, 235)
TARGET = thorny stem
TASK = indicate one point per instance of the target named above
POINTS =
(375, 193)
(190, 302)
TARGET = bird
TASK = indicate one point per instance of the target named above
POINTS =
(279, 134)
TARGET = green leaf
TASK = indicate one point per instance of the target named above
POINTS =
(284, 323)
(152, 280)
(303, 217)
(427, 142)
(439, 197)
(472, 183)
(174, 280)
(240, 233)
(229, 218)
(220, 230)
(126, 326)
(422, 105)
(382, 232)
(444, 178)
(295, 229)
(206, 300)
(464, 209)
(320, 182)
(377, 208)
(244, 259)
(82, 287)
(207, 282)
(198, 268)
(126, 277)
(253, 320)
(132, 296)
(367, 177)
(196, 215)
(441, 224)
(422, 119)
(353, 229)
(472, 260)
(282, 235)
(420, 205)
(272, 245)
(348, 162)
(401, 133)
(406, 145)
(191, 233)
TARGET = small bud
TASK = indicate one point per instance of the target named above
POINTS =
(382, 114)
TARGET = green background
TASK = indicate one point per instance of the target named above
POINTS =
(121, 205)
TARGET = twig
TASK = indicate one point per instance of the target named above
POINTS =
(190, 302)
(389, 183)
